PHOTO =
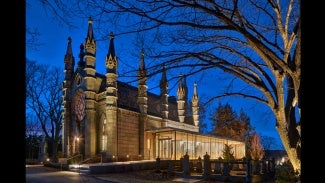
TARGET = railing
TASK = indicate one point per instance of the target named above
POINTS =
(221, 170)
(62, 161)
(76, 159)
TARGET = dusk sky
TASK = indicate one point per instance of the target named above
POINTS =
(54, 35)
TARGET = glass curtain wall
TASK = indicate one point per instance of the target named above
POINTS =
(175, 144)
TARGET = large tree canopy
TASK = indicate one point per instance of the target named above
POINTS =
(257, 41)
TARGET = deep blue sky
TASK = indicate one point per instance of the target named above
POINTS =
(54, 37)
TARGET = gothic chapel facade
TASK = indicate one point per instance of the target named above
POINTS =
(102, 115)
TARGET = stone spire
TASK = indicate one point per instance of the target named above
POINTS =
(181, 99)
(111, 98)
(111, 75)
(186, 105)
(67, 99)
(111, 59)
(68, 58)
(143, 106)
(111, 50)
(163, 80)
(164, 95)
(142, 87)
(90, 42)
(195, 106)
(81, 62)
(89, 55)
(69, 47)
(89, 90)
(142, 66)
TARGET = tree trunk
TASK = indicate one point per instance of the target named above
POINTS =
(54, 148)
(292, 151)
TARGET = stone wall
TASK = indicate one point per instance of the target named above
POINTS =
(128, 135)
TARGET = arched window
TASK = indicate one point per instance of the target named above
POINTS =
(104, 136)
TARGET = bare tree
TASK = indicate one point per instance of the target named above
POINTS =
(32, 36)
(258, 42)
(44, 99)
(32, 137)
(32, 126)
(268, 142)
(32, 39)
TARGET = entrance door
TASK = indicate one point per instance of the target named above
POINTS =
(165, 148)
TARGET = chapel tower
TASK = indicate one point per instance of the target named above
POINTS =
(111, 98)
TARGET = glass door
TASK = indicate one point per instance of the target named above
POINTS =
(165, 148)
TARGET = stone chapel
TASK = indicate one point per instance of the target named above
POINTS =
(102, 115)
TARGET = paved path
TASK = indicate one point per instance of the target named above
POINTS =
(41, 174)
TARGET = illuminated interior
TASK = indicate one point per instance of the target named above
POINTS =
(172, 144)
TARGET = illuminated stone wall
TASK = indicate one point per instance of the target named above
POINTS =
(128, 134)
